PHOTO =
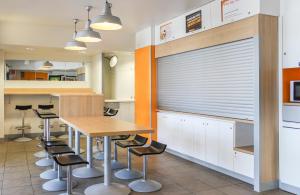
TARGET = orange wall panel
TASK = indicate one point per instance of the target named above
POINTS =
(145, 88)
(142, 86)
(289, 74)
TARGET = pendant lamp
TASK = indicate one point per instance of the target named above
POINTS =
(75, 45)
(106, 21)
(88, 35)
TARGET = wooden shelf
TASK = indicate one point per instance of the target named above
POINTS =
(291, 104)
(245, 149)
(46, 91)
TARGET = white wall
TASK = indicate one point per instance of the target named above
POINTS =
(119, 81)
(95, 72)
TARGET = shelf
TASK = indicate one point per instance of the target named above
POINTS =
(46, 91)
(245, 149)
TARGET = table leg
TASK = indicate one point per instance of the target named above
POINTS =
(45, 161)
(70, 137)
(89, 171)
(107, 188)
(77, 142)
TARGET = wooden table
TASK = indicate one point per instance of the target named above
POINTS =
(100, 126)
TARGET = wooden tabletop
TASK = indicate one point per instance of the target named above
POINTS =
(104, 126)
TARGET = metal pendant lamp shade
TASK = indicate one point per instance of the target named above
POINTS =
(87, 35)
(107, 21)
(75, 45)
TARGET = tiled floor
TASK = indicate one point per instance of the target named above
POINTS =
(20, 176)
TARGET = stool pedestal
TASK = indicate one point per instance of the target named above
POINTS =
(128, 173)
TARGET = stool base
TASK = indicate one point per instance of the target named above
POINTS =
(45, 162)
(23, 139)
(116, 165)
(86, 172)
(128, 174)
(142, 185)
(56, 185)
(99, 155)
(40, 154)
(52, 174)
(73, 193)
(112, 189)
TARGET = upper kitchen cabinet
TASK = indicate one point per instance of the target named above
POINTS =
(291, 31)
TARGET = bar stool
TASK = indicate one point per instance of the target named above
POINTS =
(23, 109)
(59, 183)
(98, 154)
(115, 164)
(51, 173)
(145, 184)
(69, 161)
(129, 173)
(47, 161)
(44, 110)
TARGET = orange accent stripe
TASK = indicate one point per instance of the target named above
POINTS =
(289, 74)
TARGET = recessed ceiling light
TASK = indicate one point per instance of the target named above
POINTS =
(29, 48)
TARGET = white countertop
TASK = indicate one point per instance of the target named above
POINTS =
(118, 100)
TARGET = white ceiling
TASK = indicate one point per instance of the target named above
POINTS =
(48, 23)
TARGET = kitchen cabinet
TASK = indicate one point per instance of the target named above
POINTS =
(291, 31)
(244, 164)
(290, 156)
(212, 142)
(199, 126)
(226, 145)
(207, 139)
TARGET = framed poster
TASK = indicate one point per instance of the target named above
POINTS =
(166, 31)
(193, 21)
(231, 10)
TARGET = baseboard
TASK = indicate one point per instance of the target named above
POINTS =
(266, 186)
(213, 167)
(289, 188)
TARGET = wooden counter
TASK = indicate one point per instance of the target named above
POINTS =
(245, 149)
(46, 91)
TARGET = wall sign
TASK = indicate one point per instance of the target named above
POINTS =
(194, 21)
(166, 32)
(231, 10)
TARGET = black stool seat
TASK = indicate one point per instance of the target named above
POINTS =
(46, 107)
(120, 137)
(56, 150)
(53, 143)
(137, 141)
(23, 107)
(111, 112)
(45, 115)
(153, 149)
(69, 160)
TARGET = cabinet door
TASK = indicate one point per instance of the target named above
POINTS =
(162, 128)
(199, 138)
(226, 153)
(186, 132)
(244, 164)
(211, 142)
(290, 156)
(291, 31)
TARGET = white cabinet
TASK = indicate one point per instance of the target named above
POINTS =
(244, 164)
(211, 142)
(199, 138)
(291, 31)
(290, 156)
(207, 139)
(226, 145)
